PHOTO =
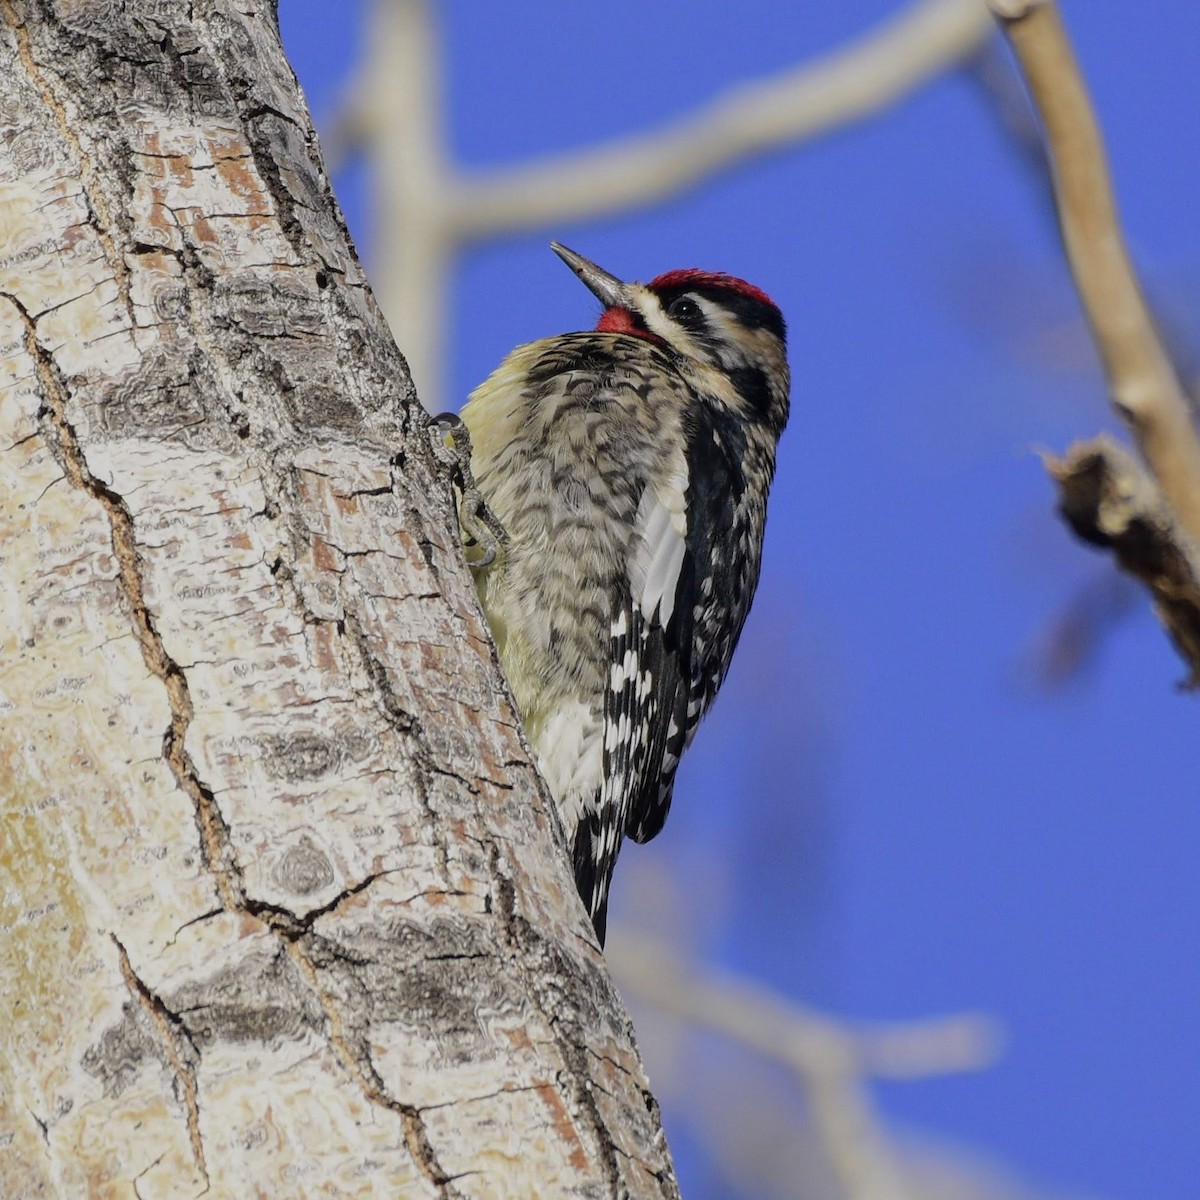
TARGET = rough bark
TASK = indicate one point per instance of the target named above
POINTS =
(283, 910)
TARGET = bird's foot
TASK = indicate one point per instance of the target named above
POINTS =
(481, 528)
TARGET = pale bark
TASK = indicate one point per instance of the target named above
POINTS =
(283, 910)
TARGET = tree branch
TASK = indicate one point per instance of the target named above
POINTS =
(1143, 386)
(842, 87)
(284, 908)
(425, 207)
(804, 1041)
(829, 1059)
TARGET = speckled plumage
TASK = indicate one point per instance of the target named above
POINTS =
(630, 471)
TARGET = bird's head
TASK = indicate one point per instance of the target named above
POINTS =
(725, 330)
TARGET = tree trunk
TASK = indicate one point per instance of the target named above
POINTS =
(283, 908)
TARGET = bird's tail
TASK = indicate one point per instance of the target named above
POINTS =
(595, 855)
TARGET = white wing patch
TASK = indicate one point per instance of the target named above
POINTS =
(660, 532)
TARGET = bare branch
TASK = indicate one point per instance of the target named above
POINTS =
(840, 88)
(829, 1059)
(425, 207)
(1143, 385)
(805, 1041)
(410, 183)
(1013, 10)
(1110, 501)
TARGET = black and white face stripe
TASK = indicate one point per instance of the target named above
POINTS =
(748, 312)
(738, 335)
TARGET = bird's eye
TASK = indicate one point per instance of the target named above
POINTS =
(683, 308)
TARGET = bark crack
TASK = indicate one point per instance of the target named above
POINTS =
(416, 1135)
(141, 1175)
(284, 202)
(406, 723)
(290, 926)
(43, 1126)
(214, 833)
(180, 1051)
(99, 216)
(215, 841)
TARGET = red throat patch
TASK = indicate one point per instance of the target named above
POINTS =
(620, 320)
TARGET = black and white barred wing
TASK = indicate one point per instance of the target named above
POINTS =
(690, 590)
(690, 574)
(645, 700)
(672, 631)
(652, 668)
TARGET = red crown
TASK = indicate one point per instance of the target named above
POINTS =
(691, 277)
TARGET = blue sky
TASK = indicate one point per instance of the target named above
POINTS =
(900, 821)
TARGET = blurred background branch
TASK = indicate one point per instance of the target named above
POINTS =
(808, 1043)
(829, 1059)
(393, 114)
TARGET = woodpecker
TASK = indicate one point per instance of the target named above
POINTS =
(629, 468)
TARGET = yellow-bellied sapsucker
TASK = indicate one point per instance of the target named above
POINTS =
(629, 468)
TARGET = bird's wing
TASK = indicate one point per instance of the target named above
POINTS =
(676, 639)
(652, 646)
(662, 676)
(645, 692)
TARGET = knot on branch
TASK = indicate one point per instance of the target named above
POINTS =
(1109, 500)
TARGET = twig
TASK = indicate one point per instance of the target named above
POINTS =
(1143, 386)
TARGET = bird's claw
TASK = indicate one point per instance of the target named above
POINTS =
(480, 526)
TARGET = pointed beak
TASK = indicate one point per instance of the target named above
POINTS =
(608, 289)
